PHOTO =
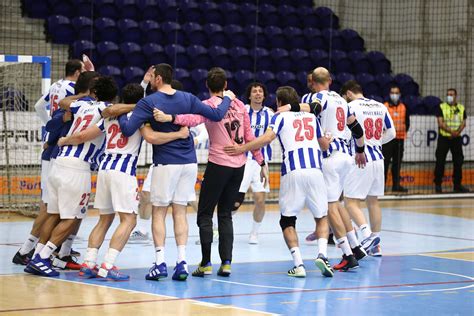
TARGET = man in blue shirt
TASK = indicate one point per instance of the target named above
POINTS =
(175, 163)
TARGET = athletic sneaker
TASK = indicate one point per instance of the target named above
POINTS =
(297, 272)
(359, 253)
(66, 263)
(347, 263)
(88, 273)
(224, 269)
(376, 251)
(370, 242)
(73, 253)
(253, 238)
(311, 239)
(42, 267)
(323, 264)
(23, 259)
(157, 272)
(203, 270)
(112, 274)
(138, 237)
(180, 271)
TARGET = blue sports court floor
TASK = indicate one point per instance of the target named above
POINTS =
(427, 269)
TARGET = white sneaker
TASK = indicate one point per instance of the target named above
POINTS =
(370, 242)
(253, 239)
(138, 237)
(297, 272)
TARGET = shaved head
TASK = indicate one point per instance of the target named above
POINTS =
(321, 75)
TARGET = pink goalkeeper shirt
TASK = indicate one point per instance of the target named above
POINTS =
(234, 128)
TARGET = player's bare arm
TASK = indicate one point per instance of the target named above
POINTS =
(66, 102)
(117, 109)
(79, 138)
(159, 138)
(257, 143)
(358, 134)
(313, 107)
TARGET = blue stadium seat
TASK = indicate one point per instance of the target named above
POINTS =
(183, 76)
(83, 27)
(431, 104)
(203, 95)
(130, 31)
(309, 17)
(155, 54)
(352, 40)
(106, 30)
(132, 74)
(407, 85)
(301, 60)
(289, 16)
(286, 78)
(253, 33)
(335, 86)
(376, 98)
(199, 56)
(242, 78)
(215, 34)
(84, 47)
(211, 12)
(231, 13)
(314, 39)
(37, 9)
(177, 56)
(270, 101)
(380, 64)
(129, 9)
(268, 78)
(248, 13)
(112, 71)
(368, 83)
(220, 57)
(268, 15)
(191, 12)
(384, 81)
(360, 62)
(326, 18)
(237, 36)
(149, 9)
(241, 58)
(169, 9)
(319, 58)
(132, 54)
(83, 8)
(413, 103)
(264, 61)
(61, 30)
(402, 79)
(295, 38)
(61, 7)
(274, 38)
(340, 62)
(343, 77)
(170, 30)
(106, 9)
(281, 59)
(109, 53)
(194, 34)
(151, 32)
(333, 39)
(199, 77)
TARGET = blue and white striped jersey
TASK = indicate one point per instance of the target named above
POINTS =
(375, 120)
(87, 112)
(333, 119)
(298, 133)
(121, 153)
(259, 122)
(58, 91)
(307, 97)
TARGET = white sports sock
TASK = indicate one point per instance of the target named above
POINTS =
(255, 227)
(38, 248)
(91, 257)
(323, 246)
(365, 230)
(66, 247)
(353, 241)
(28, 245)
(295, 252)
(343, 243)
(143, 225)
(376, 234)
(47, 250)
(181, 253)
(110, 257)
(160, 255)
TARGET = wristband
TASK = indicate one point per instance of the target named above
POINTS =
(173, 117)
(295, 107)
(263, 164)
(359, 150)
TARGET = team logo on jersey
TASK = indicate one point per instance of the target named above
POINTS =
(83, 210)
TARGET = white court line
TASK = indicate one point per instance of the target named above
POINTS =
(262, 286)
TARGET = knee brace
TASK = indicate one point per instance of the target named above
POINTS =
(238, 202)
(287, 221)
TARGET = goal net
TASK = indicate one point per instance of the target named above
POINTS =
(20, 137)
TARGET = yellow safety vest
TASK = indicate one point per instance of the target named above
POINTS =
(452, 116)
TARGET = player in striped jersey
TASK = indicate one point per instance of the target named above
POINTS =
(43, 107)
(302, 182)
(309, 83)
(70, 180)
(260, 117)
(368, 183)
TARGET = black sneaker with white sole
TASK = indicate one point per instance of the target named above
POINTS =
(359, 253)
(347, 263)
(323, 264)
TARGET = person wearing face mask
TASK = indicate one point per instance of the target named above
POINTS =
(451, 121)
(393, 150)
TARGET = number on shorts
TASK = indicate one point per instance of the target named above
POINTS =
(341, 119)
(85, 199)
(373, 130)
(308, 129)
(87, 119)
(121, 142)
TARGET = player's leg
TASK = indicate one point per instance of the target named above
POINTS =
(354, 242)
(64, 259)
(258, 214)
(375, 213)
(244, 186)
(140, 234)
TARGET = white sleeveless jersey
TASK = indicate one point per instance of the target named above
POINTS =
(121, 153)
(58, 91)
(333, 119)
(259, 122)
(87, 112)
(298, 133)
(375, 120)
